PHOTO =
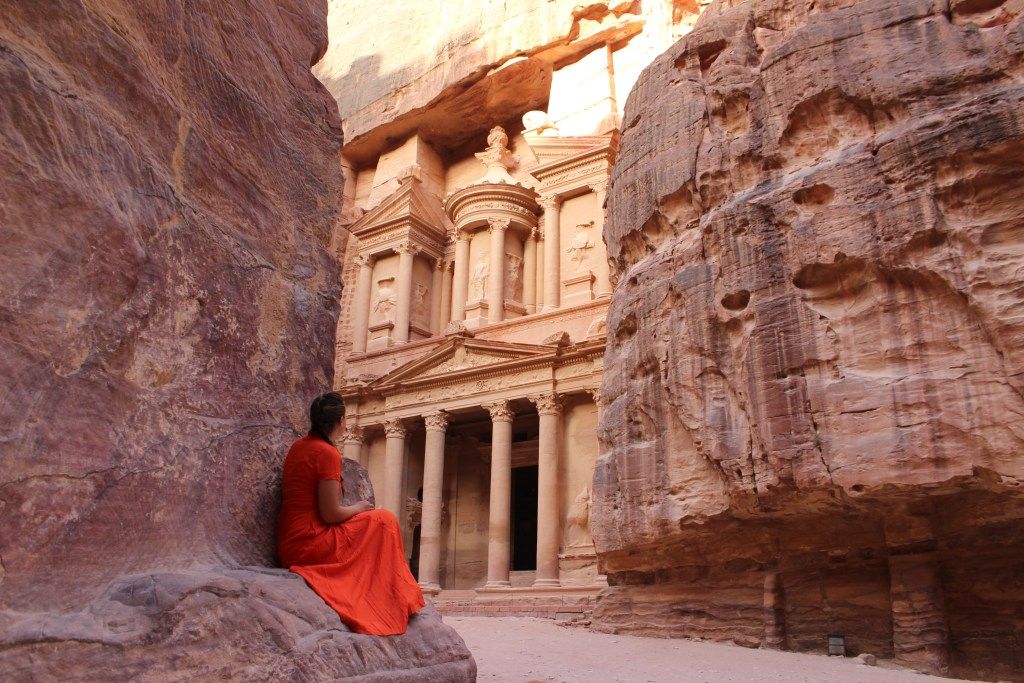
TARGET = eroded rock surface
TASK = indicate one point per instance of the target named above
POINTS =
(814, 370)
(242, 624)
(171, 184)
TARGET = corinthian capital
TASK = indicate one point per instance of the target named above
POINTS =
(395, 428)
(498, 224)
(548, 403)
(353, 435)
(549, 202)
(364, 260)
(500, 411)
(600, 187)
(436, 421)
(407, 248)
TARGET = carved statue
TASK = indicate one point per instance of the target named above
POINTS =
(497, 138)
(420, 304)
(478, 283)
(581, 243)
(513, 277)
(386, 301)
(577, 532)
(497, 157)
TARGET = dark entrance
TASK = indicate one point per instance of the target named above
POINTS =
(524, 518)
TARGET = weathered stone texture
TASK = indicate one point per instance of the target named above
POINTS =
(171, 183)
(814, 364)
(449, 69)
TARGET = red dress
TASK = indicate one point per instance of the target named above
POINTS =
(358, 567)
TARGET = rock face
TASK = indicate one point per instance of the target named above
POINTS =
(814, 374)
(171, 183)
(449, 69)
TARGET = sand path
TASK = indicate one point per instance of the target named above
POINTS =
(521, 649)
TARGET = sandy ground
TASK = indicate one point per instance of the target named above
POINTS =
(521, 649)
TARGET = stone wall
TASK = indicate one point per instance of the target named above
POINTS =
(814, 371)
(168, 299)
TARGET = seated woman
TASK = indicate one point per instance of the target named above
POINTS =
(351, 555)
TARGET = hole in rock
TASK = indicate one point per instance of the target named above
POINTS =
(707, 54)
(815, 195)
(736, 301)
(844, 274)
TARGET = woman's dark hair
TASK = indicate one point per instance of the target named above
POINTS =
(324, 414)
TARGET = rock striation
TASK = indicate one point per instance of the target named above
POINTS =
(171, 186)
(814, 373)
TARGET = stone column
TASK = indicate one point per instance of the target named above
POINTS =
(430, 521)
(352, 444)
(460, 288)
(446, 296)
(549, 408)
(774, 636)
(437, 322)
(406, 255)
(540, 271)
(920, 634)
(604, 277)
(498, 540)
(530, 272)
(361, 303)
(394, 466)
(552, 253)
(496, 271)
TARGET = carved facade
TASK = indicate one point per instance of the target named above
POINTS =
(475, 352)
(472, 335)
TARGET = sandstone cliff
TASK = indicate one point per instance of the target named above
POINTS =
(171, 182)
(815, 368)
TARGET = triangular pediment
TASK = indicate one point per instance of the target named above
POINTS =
(461, 354)
(409, 201)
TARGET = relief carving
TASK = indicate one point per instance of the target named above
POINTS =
(478, 283)
(577, 531)
(420, 304)
(513, 277)
(386, 300)
(582, 243)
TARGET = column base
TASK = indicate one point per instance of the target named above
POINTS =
(430, 588)
(498, 584)
(547, 583)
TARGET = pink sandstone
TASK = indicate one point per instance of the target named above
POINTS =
(171, 184)
(814, 373)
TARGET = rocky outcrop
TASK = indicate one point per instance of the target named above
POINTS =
(814, 374)
(243, 624)
(450, 69)
(171, 183)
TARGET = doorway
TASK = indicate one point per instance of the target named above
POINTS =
(524, 518)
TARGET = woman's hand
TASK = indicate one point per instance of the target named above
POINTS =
(361, 506)
(332, 511)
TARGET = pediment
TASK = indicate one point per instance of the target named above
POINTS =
(457, 355)
(409, 201)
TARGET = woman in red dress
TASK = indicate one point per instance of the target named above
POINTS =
(351, 555)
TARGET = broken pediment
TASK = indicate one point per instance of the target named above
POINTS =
(410, 202)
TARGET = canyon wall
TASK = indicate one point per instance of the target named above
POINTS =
(815, 370)
(168, 297)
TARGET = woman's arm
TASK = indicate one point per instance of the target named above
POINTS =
(331, 509)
